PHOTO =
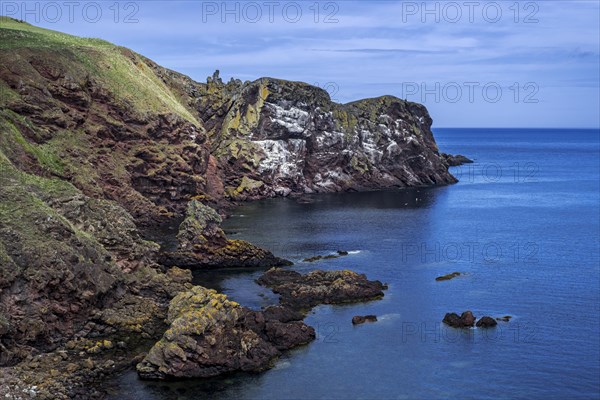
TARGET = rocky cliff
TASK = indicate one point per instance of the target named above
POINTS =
(273, 137)
(281, 137)
(98, 143)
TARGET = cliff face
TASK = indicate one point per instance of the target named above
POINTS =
(97, 143)
(279, 137)
(274, 138)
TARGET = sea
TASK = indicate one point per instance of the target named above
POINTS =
(522, 226)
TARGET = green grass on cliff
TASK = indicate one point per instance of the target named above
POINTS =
(25, 204)
(12, 141)
(17, 34)
(122, 72)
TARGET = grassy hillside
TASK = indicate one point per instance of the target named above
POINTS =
(120, 71)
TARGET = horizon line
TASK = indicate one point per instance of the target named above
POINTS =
(516, 127)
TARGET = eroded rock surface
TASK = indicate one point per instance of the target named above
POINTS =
(279, 137)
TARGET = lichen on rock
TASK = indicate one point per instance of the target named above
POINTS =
(210, 335)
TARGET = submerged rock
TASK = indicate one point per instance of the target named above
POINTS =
(313, 259)
(505, 318)
(359, 319)
(448, 276)
(339, 253)
(320, 287)
(465, 320)
(210, 335)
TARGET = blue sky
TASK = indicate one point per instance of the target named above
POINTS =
(473, 64)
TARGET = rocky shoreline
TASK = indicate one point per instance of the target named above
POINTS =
(100, 145)
(157, 300)
(210, 335)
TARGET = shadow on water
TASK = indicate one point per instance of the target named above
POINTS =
(387, 199)
(209, 388)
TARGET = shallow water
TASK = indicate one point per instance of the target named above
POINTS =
(523, 227)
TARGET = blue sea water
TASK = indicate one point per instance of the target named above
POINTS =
(522, 226)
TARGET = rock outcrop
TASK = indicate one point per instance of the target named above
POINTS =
(203, 244)
(210, 335)
(320, 287)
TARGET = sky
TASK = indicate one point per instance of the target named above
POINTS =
(472, 63)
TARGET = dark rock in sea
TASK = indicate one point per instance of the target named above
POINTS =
(505, 318)
(359, 319)
(339, 253)
(452, 319)
(320, 287)
(465, 320)
(313, 259)
(210, 335)
(455, 161)
(486, 322)
(448, 276)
